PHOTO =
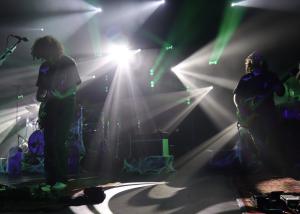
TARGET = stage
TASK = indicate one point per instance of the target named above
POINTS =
(203, 192)
(149, 106)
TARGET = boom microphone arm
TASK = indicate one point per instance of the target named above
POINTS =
(8, 51)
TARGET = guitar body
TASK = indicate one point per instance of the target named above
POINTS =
(42, 96)
(42, 115)
(247, 110)
(254, 95)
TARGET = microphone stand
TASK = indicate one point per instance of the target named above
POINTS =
(8, 51)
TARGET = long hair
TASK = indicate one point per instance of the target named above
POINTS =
(47, 47)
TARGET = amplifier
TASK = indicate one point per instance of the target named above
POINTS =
(144, 146)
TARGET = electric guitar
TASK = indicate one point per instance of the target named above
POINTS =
(42, 96)
(247, 107)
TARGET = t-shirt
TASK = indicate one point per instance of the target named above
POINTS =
(61, 75)
(257, 88)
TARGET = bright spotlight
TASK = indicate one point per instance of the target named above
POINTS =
(161, 1)
(240, 3)
(98, 10)
(42, 29)
(213, 62)
(176, 69)
(121, 53)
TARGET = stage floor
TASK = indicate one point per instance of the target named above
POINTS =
(184, 191)
(192, 188)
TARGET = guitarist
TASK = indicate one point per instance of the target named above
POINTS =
(57, 84)
(254, 100)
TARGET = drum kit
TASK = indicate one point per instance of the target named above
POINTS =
(30, 150)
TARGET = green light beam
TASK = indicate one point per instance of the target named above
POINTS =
(232, 18)
(94, 32)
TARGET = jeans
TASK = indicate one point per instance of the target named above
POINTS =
(57, 123)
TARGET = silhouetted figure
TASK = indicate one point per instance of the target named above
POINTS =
(254, 100)
(57, 84)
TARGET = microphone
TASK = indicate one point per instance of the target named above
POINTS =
(24, 39)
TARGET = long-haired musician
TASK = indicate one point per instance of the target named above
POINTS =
(57, 85)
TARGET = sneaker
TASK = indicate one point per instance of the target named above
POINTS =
(46, 188)
(59, 186)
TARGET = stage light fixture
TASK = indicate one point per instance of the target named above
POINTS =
(152, 72)
(152, 84)
(188, 101)
(98, 10)
(168, 47)
(121, 53)
(175, 69)
(213, 62)
(239, 3)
